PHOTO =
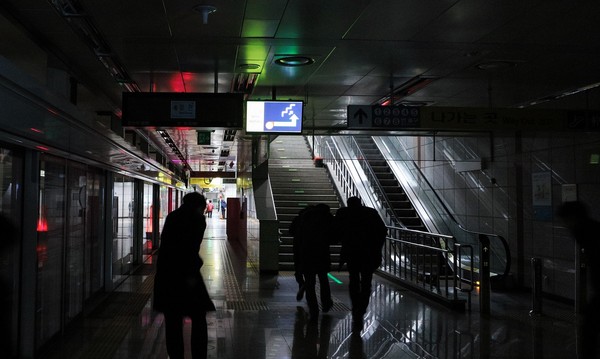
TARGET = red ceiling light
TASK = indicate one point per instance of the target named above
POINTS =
(406, 89)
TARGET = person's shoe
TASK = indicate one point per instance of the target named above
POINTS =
(300, 293)
(327, 306)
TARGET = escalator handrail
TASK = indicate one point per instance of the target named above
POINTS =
(501, 238)
(388, 208)
(503, 241)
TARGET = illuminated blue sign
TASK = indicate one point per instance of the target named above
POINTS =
(274, 116)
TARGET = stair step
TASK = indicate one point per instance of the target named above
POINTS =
(296, 183)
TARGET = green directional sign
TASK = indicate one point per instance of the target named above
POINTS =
(203, 137)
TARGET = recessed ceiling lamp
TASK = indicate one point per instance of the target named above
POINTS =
(293, 61)
(249, 66)
(205, 10)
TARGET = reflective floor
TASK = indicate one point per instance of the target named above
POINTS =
(258, 317)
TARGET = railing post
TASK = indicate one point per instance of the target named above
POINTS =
(580, 280)
(536, 290)
(484, 273)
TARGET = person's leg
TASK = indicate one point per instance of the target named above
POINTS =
(355, 299)
(326, 302)
(354, 288)
(174, 335)
(366, 278)
(311, 295)
(300, 280)
(199, 341)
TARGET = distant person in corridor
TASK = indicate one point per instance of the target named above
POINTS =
(223, 208)
(209, 209)
(586, 232)
(362, 233)
(179, 290)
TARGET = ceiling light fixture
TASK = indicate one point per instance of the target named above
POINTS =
(406, 89)
(294, 61)
(205, 10)
(495, 65)
(249, 66)
(560, 95)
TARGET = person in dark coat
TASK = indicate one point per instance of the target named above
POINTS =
(362, 233)
(586, 232)
(179, 290)
(315, 237)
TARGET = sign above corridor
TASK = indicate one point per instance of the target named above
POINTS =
(464, 118)
(185, 109)
(383, 117)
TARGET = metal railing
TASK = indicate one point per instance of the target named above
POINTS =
(431, 263)
(434, 264)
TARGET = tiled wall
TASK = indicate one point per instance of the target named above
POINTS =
(499, 198)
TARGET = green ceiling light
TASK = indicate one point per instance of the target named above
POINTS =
(294, 61)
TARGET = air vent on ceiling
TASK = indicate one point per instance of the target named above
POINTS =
(244, 83)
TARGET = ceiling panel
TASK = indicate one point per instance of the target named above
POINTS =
(360, 48)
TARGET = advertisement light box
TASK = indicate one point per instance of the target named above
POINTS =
(274, 116)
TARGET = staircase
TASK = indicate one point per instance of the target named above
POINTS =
(398, 200)
(297, 183)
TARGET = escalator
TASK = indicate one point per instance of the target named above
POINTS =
(420, 214)
(399, 202)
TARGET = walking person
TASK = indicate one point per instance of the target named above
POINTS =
(294, 230)
(179, 290)
(209, 208)
(362, 233)
(223, 207)
(315, 237)
(586, 232)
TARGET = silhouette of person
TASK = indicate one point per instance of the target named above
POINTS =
(315, 237)
(223, 207)
(7, 240)
(586, 232)
(294, 230)
(179, 290)
(209, 208)
(362, 233)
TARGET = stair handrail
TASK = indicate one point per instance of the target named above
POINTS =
(333, 155)
(348, 187)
